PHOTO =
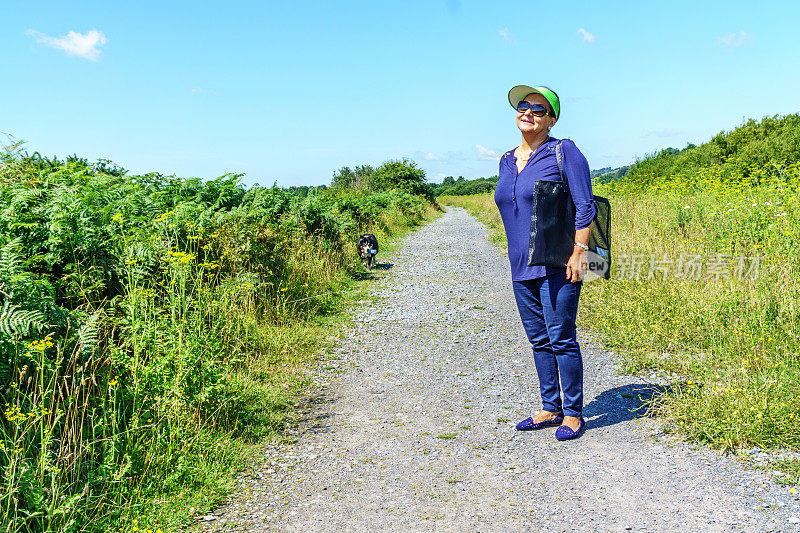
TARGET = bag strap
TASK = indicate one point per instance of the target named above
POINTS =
(560, 162)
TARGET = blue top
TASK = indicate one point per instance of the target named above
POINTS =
(514, 198)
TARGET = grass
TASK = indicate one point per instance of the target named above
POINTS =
(156, 331)
(277, 377)
(789, 471)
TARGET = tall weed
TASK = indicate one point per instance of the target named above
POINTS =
(154, 328)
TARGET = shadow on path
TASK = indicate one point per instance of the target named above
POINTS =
(624, 403)
(359, 274)
(311, 417)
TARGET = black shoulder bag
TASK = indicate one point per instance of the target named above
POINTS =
(553, 226)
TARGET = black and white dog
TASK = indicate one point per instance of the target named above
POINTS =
(367, 249)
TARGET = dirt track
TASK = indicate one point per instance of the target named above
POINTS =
(414, 429)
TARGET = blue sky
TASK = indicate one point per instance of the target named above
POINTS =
(289, 92)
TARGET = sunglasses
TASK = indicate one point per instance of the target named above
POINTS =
(537, 110)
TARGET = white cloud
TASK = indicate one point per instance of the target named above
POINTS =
(586, 36)
(506, 35)
(734, 40)
(430, 157)
(73, 43)
(486, 154)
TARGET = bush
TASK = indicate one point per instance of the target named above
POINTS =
(730, 342)
(403, 175)
(755, 144)
(132, 309)
(464, 187)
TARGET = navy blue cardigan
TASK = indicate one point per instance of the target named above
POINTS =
(514, 198)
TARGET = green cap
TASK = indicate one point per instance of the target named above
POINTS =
(518, 94)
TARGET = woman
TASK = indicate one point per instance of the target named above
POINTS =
(547, 297)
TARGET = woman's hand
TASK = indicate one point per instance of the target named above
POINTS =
(577, 265)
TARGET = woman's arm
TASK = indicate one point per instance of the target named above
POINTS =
(576, 171)
(578, 263)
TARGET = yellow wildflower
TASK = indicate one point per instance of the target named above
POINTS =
(41, 345)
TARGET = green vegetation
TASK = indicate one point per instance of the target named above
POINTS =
(753, 148)
(154, 329)
(606, 173)
(304, 191)
(727, 333)
(462, 187)
(401, 175)
(790, 471)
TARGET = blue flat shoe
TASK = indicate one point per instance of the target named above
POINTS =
(566, 432)
(528, 424)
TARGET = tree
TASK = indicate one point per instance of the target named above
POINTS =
(358, 178)
(404, 175)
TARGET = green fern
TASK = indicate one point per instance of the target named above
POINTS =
(20, 322)
(24, 197)
(10, 259)
(89, 334)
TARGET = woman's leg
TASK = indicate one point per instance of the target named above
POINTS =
(527, 294)
(559, 298)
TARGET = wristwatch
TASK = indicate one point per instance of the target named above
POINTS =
(584, 246)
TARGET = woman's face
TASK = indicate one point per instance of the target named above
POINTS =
(529, 124)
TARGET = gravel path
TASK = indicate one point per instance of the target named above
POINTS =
(415, 428)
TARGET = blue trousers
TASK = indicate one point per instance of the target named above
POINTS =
(547, 307)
